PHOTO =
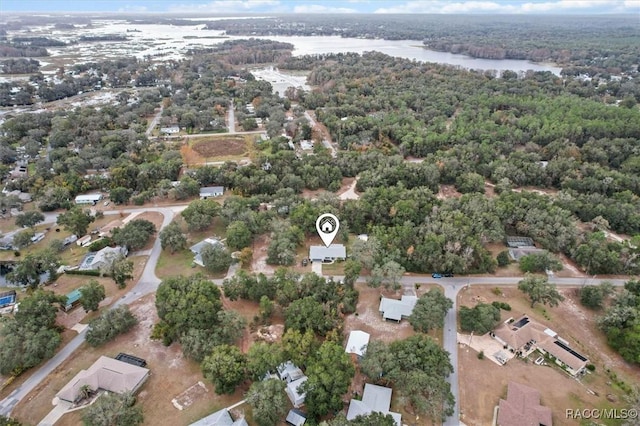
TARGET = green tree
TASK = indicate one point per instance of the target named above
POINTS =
(329, 376)
(268, 401)
(8, 421)
(121, 269)
(309, 314)
(134, 235)
(430, 311)
(23, 238)
(352, 270)
(503, 258)
(480, 319)
(539, 262)
(198, 343)
(225, 368)
(28, 272)
(263, 358)
(540, 290)
(216, 258)
(200, 213)
(31, 336)
(389, 275)
(417, 367)
(172, 238)
(238, 235)
(29, 219)
(188, 187)
(592, 296)
(266, 308)
(188, 302)
(120, 195)
(110, 324)
(91, 295)
(470, 182)
(113, 409)
(373, 419)
(76, 220)
(299, 347)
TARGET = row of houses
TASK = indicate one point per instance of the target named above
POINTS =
(205, 193)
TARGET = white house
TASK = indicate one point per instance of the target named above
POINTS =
(393, 309)
(102, 259)
(196, 249)
(171, 130)
(327, 254)
(374, 399)
(88, 199)
(211, 192)
(294, 377)
(357, 343)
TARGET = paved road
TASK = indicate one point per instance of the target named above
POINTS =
(149, 282)
(232, 119)
(154, 122)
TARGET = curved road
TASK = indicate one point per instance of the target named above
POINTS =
(149, 282)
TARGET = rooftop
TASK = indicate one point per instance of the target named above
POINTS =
(334, 251)
(374, 399)
(394, 309)
(357, 343)
(522, 408)
(108, 374)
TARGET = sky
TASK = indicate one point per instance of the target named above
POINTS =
(226, 7)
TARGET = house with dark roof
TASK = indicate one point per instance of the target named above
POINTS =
(523, 336)
(374, 399)
(522, 408)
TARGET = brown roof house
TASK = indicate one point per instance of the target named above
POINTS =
(523, 336)
(522, 408)
(108, 374)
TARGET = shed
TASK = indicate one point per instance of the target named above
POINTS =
(211, 192)
(296, 418)
(357, 343)
(73, 299)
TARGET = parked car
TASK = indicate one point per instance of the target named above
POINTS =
(436, 275)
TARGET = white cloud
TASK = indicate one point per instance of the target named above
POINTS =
(225, 6)
(475, 6)
(316, 8)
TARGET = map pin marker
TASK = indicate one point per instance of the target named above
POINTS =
(327, 226)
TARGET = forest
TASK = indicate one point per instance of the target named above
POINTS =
(593, 43)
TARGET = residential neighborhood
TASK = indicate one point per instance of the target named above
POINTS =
(389, 213)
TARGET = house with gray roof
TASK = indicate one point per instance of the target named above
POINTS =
(196, 249)
(108, 374)
(396, 310)
(220, 418)
(296, 418)
(294, 377)
(327, 254)
(211, 192)
(374, 399)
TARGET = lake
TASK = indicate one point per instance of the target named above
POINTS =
(163, 41)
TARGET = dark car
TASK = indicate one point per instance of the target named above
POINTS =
(447, 275)
(436, 275)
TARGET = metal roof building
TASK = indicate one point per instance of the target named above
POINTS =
(374, 399)
(393, 309)
(327, 254)
(357, 343)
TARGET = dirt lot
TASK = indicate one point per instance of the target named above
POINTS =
(215, 148)
(171, 375)
(484, 382)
